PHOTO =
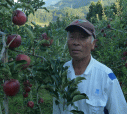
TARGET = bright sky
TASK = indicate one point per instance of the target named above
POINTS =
(16, 0)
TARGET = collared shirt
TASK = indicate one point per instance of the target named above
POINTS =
(102, 88)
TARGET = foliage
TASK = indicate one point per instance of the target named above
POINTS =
(46, 69)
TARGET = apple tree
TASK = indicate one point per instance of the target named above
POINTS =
(26, 58)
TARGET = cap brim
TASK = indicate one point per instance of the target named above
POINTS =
(70, 27)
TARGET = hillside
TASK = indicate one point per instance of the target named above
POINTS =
(77, 3)
(72, 7)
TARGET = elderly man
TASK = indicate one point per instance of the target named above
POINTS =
(101, 85)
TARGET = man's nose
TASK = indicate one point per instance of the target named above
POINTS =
(76, 40)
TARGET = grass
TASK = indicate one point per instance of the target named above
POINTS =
(16, 103)
(37, 23)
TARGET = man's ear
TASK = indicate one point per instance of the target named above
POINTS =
(93, 44)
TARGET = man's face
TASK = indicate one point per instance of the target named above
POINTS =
(79, 44)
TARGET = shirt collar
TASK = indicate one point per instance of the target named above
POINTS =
(88, 68)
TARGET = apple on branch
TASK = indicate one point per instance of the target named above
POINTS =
(45, 37)
(19, 18)
(23, 57)
(30, 104)
(11, 87)
(15, 43)
(40, 100)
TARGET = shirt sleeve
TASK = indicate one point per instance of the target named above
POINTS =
(116, 103)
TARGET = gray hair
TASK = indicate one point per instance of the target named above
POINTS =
(68, 33)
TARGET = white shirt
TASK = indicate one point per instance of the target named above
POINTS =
(102, 88)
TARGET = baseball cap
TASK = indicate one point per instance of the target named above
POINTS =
(83, 24)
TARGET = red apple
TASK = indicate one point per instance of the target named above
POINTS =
(11, 87)
(102, 30)
(40, 100)
(44, 36)
(120, 83)
(27, 89)
(126, 44)
(30, 104)
(125, 64)
(19, 18)
(25, 95)
(23, 57)
(16, 43)
(124, 58)
(26, 83)
(108, 26)
(46, 44)
(104, 34)
(30, 85)
(96, 46)
(125, 53)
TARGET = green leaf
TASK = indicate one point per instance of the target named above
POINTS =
(44, 8)
(55, 79)
(10, 2)
(57, 102)
(78, 97)
(30, 33)
(75, 93)
(77, 112)
(78, 79)
(19, 64)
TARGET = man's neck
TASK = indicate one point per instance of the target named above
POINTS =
(81, 64)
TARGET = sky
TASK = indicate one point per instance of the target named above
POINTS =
(47, 2)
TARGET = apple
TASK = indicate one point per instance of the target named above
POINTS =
(25, 95)
(27, 89)
(124, 58)
(26, 83)
(40, 100)
(108, 26)
(19, 18)
(46, 45)
(30, 85)
(44, 36)
(96, 46)
(30, 104)
(126, 44)
(120, 83)
(125, 64)
(102, 30)
(104, 34)
(16, 43)
(24, 57)
(11, 87)
(51, 41)
(125, 53)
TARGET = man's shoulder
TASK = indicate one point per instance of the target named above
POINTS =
(102, 67)
(105, 70)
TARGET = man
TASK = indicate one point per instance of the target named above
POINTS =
(101, 85)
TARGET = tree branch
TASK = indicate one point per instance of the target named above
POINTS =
(29, 54)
